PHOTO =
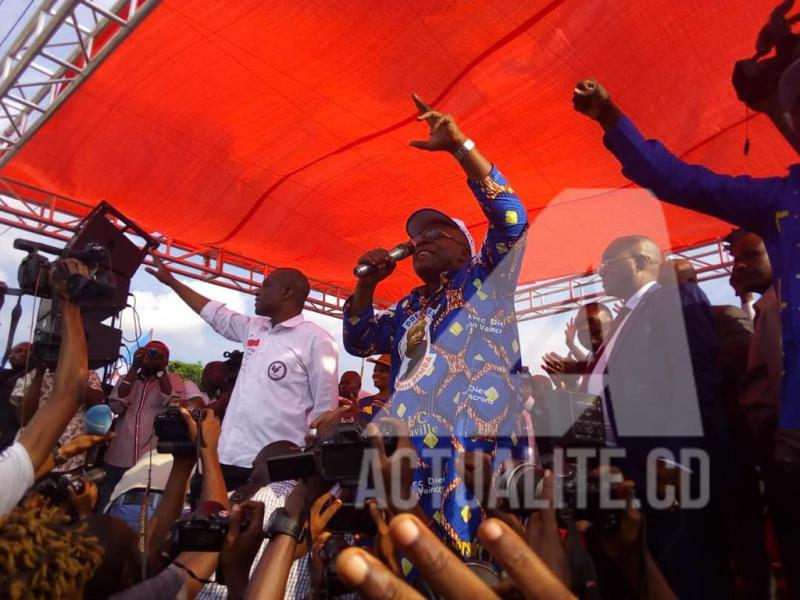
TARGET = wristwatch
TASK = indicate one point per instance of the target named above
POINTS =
(280, 523)
(464, 149)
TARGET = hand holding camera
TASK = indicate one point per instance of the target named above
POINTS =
(64, 277)
(242, 541)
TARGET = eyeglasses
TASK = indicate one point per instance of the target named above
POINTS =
(431, 235)
(609, 261)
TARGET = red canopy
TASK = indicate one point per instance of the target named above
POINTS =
(279, 130)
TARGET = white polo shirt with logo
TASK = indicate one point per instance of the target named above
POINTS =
(289, 377)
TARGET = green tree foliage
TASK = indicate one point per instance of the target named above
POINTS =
(190, 371)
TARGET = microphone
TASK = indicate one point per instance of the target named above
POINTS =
(399, 252)
(97, 421)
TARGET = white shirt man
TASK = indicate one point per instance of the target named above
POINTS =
(289, 371)
(288, 378)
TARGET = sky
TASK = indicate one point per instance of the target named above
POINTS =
(184, 332)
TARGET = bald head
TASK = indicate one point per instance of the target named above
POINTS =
(629, 262)
(294, 280)
(282, 295)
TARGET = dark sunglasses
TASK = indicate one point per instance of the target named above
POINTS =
(434, 234)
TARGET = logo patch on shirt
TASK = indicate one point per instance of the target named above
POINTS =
(276, 370)
(253, 343)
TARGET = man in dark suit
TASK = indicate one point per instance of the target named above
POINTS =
(657, 374)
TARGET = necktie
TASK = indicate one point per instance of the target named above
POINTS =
(615, 324)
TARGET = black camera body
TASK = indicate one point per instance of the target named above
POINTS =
(570, 419)
(173, 433)
(589, 508)
(55, 486)
(521, 483)
(756, 79)
(35, 273)
(200, 533)
(335, 457)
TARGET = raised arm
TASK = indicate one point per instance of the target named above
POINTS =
(195, 300)
(49, 422)
(743, 201)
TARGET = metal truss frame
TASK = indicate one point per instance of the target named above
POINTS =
(543, 299)
(59, 47)
(33, 210)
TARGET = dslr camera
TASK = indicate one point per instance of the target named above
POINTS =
(173, 433)
(204, 531)
(55, 486)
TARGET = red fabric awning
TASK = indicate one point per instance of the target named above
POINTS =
(279, 130)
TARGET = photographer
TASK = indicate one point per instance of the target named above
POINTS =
(36, 388)
(219, 379)
(138, 397)
(186, 574)
(9, 417)
(19, 463)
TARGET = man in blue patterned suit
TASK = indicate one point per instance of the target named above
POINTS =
(453, 341)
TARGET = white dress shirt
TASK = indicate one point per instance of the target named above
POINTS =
(596, 383)
(288, 378)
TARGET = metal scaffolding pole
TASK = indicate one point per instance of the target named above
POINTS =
(59, 47)
(36, 211)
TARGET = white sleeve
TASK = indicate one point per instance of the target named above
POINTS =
(16, 476)
(323, 369)
(226, 322)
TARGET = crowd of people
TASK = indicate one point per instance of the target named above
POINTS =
(658, 458)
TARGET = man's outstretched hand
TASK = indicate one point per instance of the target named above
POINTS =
(444, 134)
(591, 99)
(160, 272)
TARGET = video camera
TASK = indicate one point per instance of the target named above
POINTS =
(173, 433)
(102, 242)
(522, 482)
(756, 79)
(563, 420)
(35, 272)
(336, 457)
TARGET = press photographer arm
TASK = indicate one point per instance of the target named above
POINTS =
(41, 434)
(269, 579)
(74, 447)
(123, 388)
(627, 550)
(203, 564)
